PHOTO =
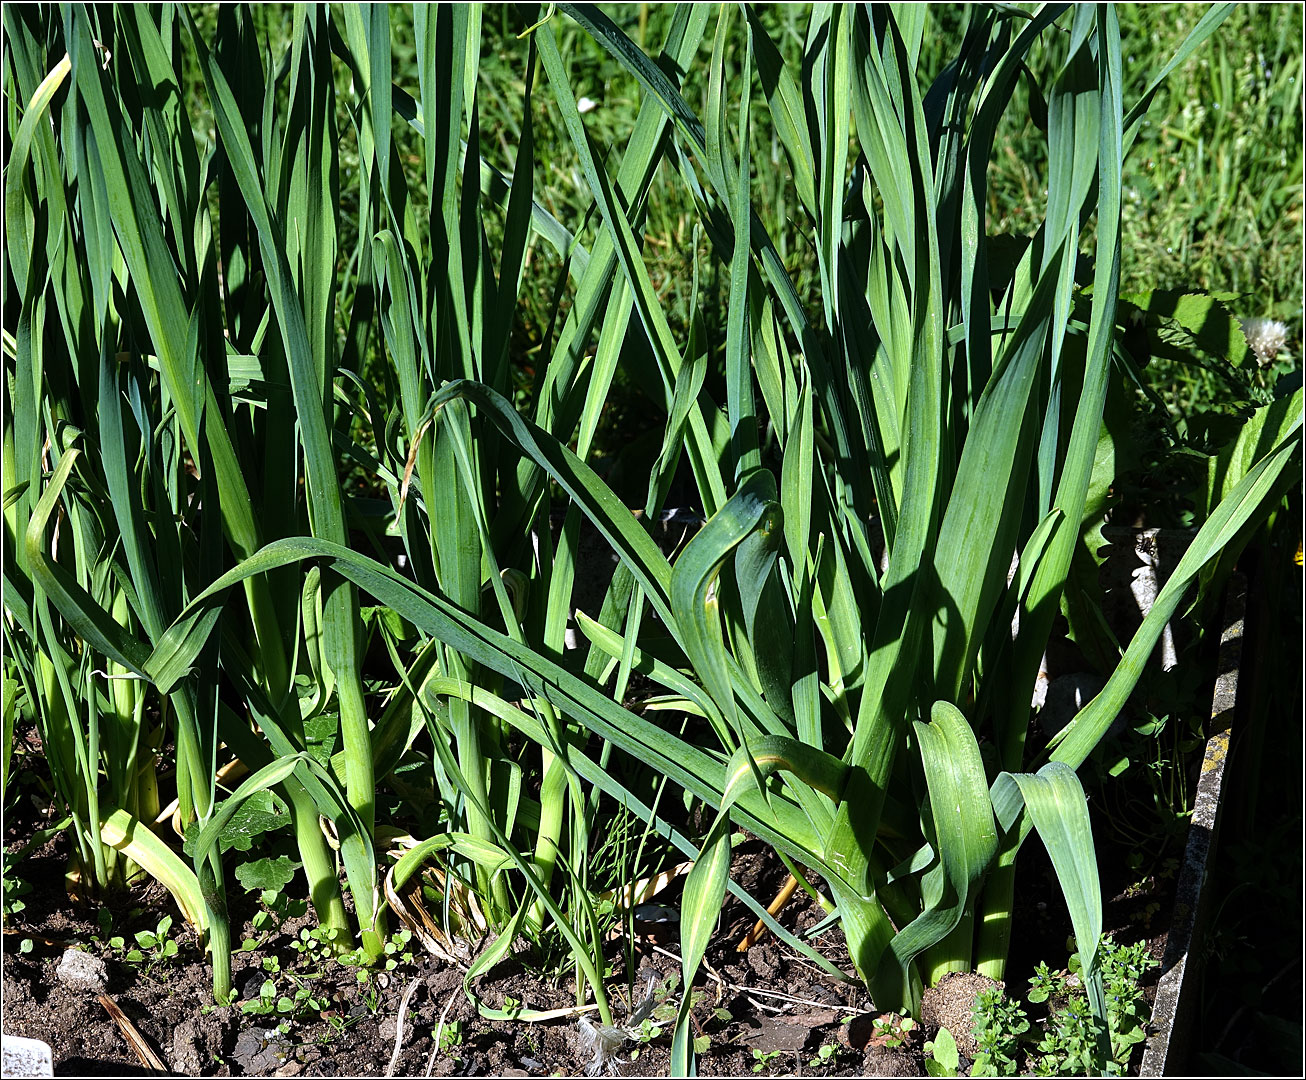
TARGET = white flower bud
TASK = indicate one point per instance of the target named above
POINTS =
(1265, 337)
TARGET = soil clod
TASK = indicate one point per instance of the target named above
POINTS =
(81, 971)
(951, 1004)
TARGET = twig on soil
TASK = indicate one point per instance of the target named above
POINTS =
(439, 1031)
(786, 997)
(538, 1017)
(399, 1025)
(723, 985)
(759, 928)
(10, 932)
(135, 1039)
(832, 954)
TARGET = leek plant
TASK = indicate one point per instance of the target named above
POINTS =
(181, 412)
(88, 712)
(953, 394)
(231, 380)
(892, 482)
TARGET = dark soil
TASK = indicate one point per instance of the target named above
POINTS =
(170, 1003)
(766, 1006)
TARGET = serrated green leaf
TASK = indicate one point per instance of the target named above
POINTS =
(1204, 316)
(263, 812)
(271, 874)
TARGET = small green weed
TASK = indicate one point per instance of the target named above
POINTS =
(277, 906)
(892, 1029)
(15, 888)
(764, 1059)
(451, 1035)
(148, 948)
(297, 1000)
(153, 945)
(646, 1033)
(999, 1025)
(826, 1055)
(1064, 1043)
(941, 1057)
(397, 950)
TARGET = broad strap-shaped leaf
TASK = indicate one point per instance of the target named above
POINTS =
(780, 823)
(619, 647)
(607, 782)
(694, 591)
(18, 227)
(1073, 117)
(1265, 429)
(310, 384)
(1059, 809)
(786, 106)
(768, 643)
(891, 128)
(740, 408)
(705, 887)
(965, 835)
(662, 91)
(980, 526)
(608, 514)
(813, 770)
(656, 328)
(92, 623)
(465, 844)
(133, 838)
(1073, 485)
(700, 909)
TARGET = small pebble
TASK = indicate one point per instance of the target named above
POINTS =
(261, 1050)
(656, 913)
(249, 1043)
(81, 971)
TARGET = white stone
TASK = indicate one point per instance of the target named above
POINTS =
(25, 1057)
